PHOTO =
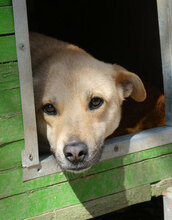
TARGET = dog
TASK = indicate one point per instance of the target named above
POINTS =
(78, 100)
(139, 116)
(154, 118)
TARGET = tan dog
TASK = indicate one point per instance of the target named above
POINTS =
(154, 118)
(78, 100)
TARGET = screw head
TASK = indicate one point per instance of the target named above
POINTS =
(116, 148)
(21, 46)
(30, 157)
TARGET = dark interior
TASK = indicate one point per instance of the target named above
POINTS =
(115, 31)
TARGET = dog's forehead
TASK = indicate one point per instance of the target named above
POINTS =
(80, 78)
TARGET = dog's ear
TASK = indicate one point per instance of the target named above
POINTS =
(129, 84)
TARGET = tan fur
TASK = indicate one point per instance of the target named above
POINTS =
(138, 116)
(154, 118)
(68, 77)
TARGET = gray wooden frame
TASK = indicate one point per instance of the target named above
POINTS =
(30, 155)
(115, 147)
(167, 202)
(165, 23)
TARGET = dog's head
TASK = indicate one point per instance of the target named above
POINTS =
(78, 104)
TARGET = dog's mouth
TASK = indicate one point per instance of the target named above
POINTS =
(77, 169)
(89, 161)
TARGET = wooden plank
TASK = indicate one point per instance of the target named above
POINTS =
(11, 129)
(11, 155)
(6, 20)
(159, 187)
(99, 206)
(49, 215)
(15, 176)
(126, 144)
(9, 78)
(132, 158)
(65, 194)
(117, 179)
(5, 2)
(165, 23)
(8, 48)
(10, 103)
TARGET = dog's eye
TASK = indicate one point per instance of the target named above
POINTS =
(49, 109)
(95, 103)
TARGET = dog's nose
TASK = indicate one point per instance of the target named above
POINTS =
(75, 152)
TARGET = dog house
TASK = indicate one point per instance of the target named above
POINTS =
(133, 168)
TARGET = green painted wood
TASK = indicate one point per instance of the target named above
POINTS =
(159, 187)
(10, 100)
(46, 216)
(11, 129)
(132, 158)
(10, 103)
(5, 2)
(13, 178)
(9, 77)
(8, 48)
(99, 206)
(11, 155)
(6, 20)
(85, 189)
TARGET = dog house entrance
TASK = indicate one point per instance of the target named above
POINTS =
(35, 166)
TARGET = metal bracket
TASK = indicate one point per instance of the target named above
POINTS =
(114, 147)
(167, 200)
(30, 155)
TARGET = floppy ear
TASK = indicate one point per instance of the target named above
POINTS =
(129, 84)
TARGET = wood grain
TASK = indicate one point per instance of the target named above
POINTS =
(9, 78)
(6, 20)
(11, 155)
(99, 206)
(11, 128)
(37, 201)
(8, 48)
(5, 2)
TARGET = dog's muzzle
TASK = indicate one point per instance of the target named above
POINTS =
(77, 157)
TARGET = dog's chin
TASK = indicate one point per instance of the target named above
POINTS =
(79, 168)
(77, 171)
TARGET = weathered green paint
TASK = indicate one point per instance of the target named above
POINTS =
(91, 187)
(10, 100)
(5, 2)
(6, 20)
(8, 48)
(11, 128)
(132, 158)
(159, 187)
(10, 103)
(80, 190)
(99, 206)
(14, 177)
(11, 155)
(9, 78)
